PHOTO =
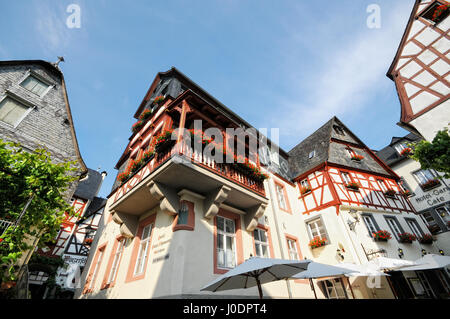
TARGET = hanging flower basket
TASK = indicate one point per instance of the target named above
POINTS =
(158, 100)
(357, 158)
(390, 193)
(145, 115)
(430, 184)
(353, 186)
(406, 151)
(381, 235)
(426, 239)
(317, 242)
(137, 126)
(406, 238)
(305, 190)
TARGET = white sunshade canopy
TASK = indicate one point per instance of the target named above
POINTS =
(429, 262)
(255, 269)
(318, 270)
(361, 270)
(383, 263)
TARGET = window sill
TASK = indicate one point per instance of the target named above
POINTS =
(183, 227)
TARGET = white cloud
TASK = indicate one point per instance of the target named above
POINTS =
(346, 74)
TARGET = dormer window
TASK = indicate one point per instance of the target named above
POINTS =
(12, 111)
(312, 154)
(339, 130)
(437, 12)
(35, 85)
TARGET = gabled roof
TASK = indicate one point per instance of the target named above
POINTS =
(55, 70)
(390, 155)
(389, 73)
(89, 186)
(330, 147)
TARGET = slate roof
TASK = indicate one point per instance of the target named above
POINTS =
(89, 187)
(96, 204)
(390, 155)
(328, 151)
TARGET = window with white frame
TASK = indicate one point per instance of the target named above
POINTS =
(415, 228)
(382, 185)
(334, 289)
(292, 248)
(281, 197)
(444, 213)
(346, 177)
(261, 243)
(96, 267)
(312, 154)
(394, 226)
(404, 185)
(33, 84)
(226, 243)
(316, 229)
(430, 221)
(117, 257)
(424, 175)
(144, 248)
(12, 111)
(399, 147)
(369, 221)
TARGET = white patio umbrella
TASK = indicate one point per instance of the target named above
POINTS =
(255, 272)
(384, 263)
(317, 270)
(429, 262)
(361, 270)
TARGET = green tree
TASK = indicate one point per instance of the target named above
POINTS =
(30, 177)
(434, 155)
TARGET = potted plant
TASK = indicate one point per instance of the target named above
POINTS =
(305, 190)
(430, 184)
(406, 238)
(317, 242)
(390, 193)
(381, 235)
(353, 186)
(406, 151)
(426, 239)
(357, 158)
(137, 126)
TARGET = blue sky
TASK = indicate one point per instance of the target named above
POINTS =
(289, 64)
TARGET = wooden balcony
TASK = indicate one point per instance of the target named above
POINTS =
(180, 167)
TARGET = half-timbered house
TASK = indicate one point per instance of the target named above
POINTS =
(421, 69)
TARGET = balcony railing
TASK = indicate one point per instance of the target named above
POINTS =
(4, 225)
(226, 170)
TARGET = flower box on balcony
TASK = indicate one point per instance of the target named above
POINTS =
(122, 177)
(249, 169)
(439, 12)
(353, 186)
(164, 141)
(158, 100)
(406, 238)
(357, 158)
(390, 193)
(426, 239)
(430, 184)
(89, 241)
(381, 235)
(137, 126)
(145, 115)
(406, 151)
(317, 242)
(199, 137)
(305, 190)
